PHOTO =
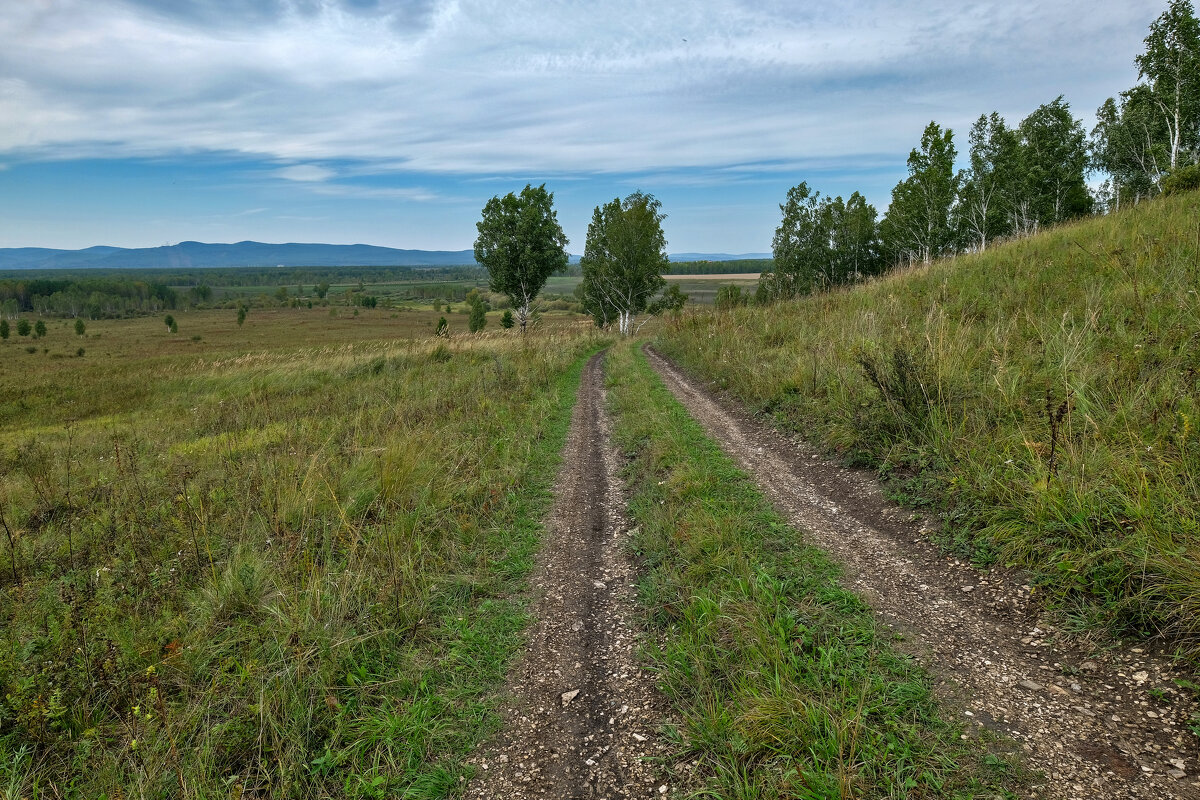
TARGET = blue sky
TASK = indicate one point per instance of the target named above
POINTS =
(146, 122)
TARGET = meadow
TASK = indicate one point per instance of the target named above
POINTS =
(1041, 398)
(278, 559)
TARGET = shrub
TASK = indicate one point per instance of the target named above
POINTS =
(729, 297)
(506, 319)
(80, 328)
(3, 329)
(23, 327)
(1183, 179)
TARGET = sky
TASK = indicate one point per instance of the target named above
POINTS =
(138, 123)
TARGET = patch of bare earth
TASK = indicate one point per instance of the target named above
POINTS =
(1096, 721)
(583, 718)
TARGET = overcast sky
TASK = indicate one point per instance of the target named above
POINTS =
(145, 122)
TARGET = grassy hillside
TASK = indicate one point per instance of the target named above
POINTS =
(785, 685)
(1043, 396)
(262, 565)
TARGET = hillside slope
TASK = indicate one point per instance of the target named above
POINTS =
(1042, 396)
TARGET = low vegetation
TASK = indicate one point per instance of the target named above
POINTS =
(785, 684)
(288, 570)
(1042, 395)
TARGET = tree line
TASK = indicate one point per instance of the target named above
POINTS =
(1018, 178)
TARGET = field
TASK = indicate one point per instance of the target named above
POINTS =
(280, 559)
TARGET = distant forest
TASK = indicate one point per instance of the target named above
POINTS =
(119, 293)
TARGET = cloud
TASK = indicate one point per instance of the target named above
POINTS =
(528, 87)
(305, 173)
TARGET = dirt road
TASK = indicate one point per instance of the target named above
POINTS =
(1096, 722)
(583, 715)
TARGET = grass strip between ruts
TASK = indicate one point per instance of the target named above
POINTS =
(785, 684)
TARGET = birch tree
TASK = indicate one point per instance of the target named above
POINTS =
(521, 245)
(623, 260)
(982, 207)
(1055, 163)
(918, 225)
(1171, 66)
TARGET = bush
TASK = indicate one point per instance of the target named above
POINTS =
(23, 327)
(3, 329)
(729, 297)
(1182, 179)
(506, 320)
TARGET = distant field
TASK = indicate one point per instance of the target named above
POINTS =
(731, 277)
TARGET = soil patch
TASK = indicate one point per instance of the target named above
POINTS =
(583, 719)
(1095, 719)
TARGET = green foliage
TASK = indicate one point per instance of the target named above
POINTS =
(918, 225)
(730, 296)
(322, 289)
(4, 331)
(784, 684)
(169, 321)
(821, 242)
(80, 327)
(1054, 159)
(672, 299)
(39, 329)
(506, 319)
(623, 260)
(477, 320)
(521, 245)
(991, 185)
(943, 374)
(1171, 67)
(442, 328)
(1183, 179)
(23, 327)
(241, 314)
(1154, 128)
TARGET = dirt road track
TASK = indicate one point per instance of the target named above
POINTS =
(1097, 723)
(583, 715)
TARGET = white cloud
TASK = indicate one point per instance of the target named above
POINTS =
(521, 86)
(305, 173)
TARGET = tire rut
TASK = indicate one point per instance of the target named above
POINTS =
(582, 719)
(1095, 722)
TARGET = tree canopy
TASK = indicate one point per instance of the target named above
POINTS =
(918, 223)
(1153, 128)
(521, 245)
(623, 260)
(821, 242)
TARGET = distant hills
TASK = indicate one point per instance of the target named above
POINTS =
(189, 255)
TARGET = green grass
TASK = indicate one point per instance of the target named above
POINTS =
(290, 570)
(1042, 396)
(785, 686)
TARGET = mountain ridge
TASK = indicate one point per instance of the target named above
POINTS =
(199, 255)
